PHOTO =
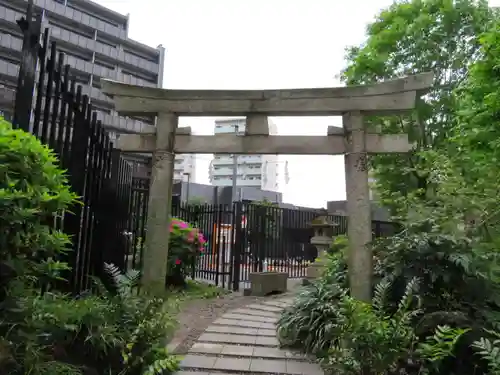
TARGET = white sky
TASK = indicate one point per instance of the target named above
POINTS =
(258, 44)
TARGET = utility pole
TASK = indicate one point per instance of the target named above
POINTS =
(188, 183)
(235, 171)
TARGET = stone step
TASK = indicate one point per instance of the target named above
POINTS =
(279, 304)
(241, 330)
(224, 338)
(264, 307)
(231, 365)
(256, 312)
(252, 318)
(243, 323)
(246, 351)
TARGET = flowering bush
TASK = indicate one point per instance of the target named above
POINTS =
(185, 246)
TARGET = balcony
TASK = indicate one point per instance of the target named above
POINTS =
(11, 71)
(81, 18)
(123, 124)
(12, 43)
(110, 52)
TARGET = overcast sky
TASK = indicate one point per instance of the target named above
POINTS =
(258, 44)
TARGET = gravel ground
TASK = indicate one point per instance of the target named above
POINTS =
(196, 316)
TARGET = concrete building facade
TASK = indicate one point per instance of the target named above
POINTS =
(185, 168)
(96, 45)
(260, 171)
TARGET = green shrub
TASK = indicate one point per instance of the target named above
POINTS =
(46, 332)
(458, 293)
(33, 193)
(367, 340)
(307, 324)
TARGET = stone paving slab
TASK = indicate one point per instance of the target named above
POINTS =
(232, 330)
(253, 318)
(241, 330)
(238, 339)
(244, 323)
(279, 304)
(259, 365)
(244, 343)
(262, 307)
(248, 311)
(245, 351)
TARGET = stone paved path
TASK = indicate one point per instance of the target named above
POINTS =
(243, 341)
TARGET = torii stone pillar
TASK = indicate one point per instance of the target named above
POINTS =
(160, 199)
(359, 221)
(352, 103)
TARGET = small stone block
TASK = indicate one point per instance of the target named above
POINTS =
(205, 347)
(253, 312)
(266, 341)
(268, 326)
(214, 337)
(268, 366)
(226, 322)
(260, 319)
(233, 330)
(303, 368)
(266, 332)
(198, 361)
(191, 373)
(265, 352)
(232, 364)
(264, 307)
(265, 283)
(241, 339)
(238, 350)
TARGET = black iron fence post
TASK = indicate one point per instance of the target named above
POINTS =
(31, 27)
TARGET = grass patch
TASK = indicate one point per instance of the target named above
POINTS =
(195, 290)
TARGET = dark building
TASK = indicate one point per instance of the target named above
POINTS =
(222, 194)
(96, 45)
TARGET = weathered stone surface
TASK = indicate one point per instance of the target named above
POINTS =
(160, 198)
(218, 354)
(359, 210)
(264, 307)
(265, 283)
(254, 312)
(235, 330)
(252, 318)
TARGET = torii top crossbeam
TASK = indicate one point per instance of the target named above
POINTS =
(386, 97)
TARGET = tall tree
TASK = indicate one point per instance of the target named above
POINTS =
(413, 37)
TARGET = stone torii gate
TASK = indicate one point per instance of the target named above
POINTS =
(353, 141)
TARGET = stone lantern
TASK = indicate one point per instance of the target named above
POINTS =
(322, 240)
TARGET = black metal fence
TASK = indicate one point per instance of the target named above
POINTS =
(109, 225)
(50, 105)
(248, 237)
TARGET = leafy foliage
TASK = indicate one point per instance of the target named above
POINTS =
(362, 327)
(412, 37)
(44, 331)
(445, 193)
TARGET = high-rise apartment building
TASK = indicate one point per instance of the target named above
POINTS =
(259, 171)
(185, 168)
(96, 45)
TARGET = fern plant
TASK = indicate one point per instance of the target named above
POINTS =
(367, 340)
(489, 350)
(308, 323)
(440, 346)
(147, 326)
